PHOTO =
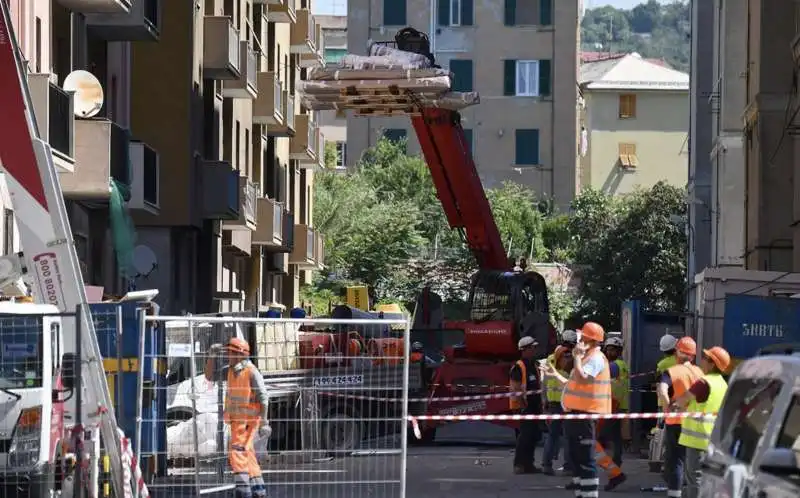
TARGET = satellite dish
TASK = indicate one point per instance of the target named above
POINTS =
(88, 93)
(144, 260)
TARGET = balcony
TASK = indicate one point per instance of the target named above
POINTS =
(268, 105)
(303, 35)
(276, 263)
(246, 85)
(304, 146)
(53, 108)
(218, 202)
(248, 192)
(221, 47)
(237, 242)
(145, 179)
(281, 11)
(141, 23)
(97, 6)
(317, 56)
(269, 232)
(306, 247)
(102, 154)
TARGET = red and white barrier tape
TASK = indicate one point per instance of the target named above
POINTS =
(130, 467)
(434, 398)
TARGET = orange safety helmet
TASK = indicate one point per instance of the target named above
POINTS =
(719, 357)
(593, 331)
(236, 345)
(687, 346)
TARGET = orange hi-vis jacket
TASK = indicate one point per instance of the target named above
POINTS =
(416, 357)
(682, 376)
(241, 404)
(515, 402)
(590, 395)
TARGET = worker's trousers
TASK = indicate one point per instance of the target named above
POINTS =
(604, 460)
(552, 444)
(693, 472)
(243, 460)
(674, 460)
(610, 434)
(581, 440)
(529, 436)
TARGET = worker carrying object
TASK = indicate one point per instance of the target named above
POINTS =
(561, 360)
(524, 377)
(417, 353)
(705, 396)
(588, 390)
(246, 405)
(674, 383)
(611, 431)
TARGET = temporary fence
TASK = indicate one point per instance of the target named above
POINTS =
(338, 398)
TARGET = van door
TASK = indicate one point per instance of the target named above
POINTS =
(770, 485)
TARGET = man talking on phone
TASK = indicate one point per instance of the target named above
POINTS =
(524, 378)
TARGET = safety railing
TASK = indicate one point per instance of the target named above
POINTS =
(338, 406)
(290, 110)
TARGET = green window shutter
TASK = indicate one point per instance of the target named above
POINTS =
(545, 77)
(545, 12)
(467, 12)
(509, 77)
(395, 134)
(444, 13)
(462, 75)
(511, 13)
(394, 12)
(468, 139)
(527, 147)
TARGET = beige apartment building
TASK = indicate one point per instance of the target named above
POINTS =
(202, 134)
(521, 56)
(333, 125)
(634, 127)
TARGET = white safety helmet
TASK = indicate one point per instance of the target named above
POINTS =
(614, 341)
(667, 343)
(569, 336)
(526, 342)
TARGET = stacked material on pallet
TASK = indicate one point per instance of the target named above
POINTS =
(386, 82)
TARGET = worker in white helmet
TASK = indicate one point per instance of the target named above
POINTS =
(667, 346)
(525, 380)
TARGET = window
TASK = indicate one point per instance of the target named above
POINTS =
(21, 351)
(8, 231)
(455, 12)
(627, 106)
(468, 136)
(627, 155)
(395, 134)
(334, 55)
(527, 78)
(55, 350)
(745, 415)
(394, 13)
(341, 154)
(462, 75)
(527, 147)
(789, 436)
(528, 12)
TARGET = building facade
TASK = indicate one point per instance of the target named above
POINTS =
(635, 117)
(334, 45)
(522, 59)
(202, 134)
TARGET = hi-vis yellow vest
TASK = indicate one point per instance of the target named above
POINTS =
(552, 385)
(662, 366)
(696, 432)
(621, 386)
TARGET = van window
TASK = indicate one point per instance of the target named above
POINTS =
(789, 436)
(745, 415)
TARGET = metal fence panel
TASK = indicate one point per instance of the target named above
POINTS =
(338, 401)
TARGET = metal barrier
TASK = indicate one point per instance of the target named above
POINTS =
(338, 406)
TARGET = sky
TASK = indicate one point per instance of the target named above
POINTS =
(339, 7)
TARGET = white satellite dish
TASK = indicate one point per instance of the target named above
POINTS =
(88, 93)
(144, 260)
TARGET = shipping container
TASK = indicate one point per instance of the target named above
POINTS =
(755, 322)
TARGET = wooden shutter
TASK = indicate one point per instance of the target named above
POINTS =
(467, 12)
(545, 12)
(444, 13)
(545, 77)
(462, 75)
(510, 17)
(509, 77)
(394, 12)
(527, 147)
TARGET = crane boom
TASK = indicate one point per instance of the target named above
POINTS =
(48, 248)
(458, 185)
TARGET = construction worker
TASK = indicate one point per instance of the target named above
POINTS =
(667, 346)
(246, 404)
(674, 383)
(588, 390)
(561, 360)
(524, 379)
(417, 353)
(611, 432)
(705, 396)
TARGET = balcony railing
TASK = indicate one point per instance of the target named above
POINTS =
(120, 154)
(60, 127)
(233, 191)
(250, 193)
(277, 220)
(290, 111)
(288, 230)
(278, 95)
(252, 68)
(310, 244)
(233, 43)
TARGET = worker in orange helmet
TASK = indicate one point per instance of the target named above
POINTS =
(246, 404)
(705, 396)
(587, 391)
(674, 383)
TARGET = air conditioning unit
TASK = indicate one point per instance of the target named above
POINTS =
(145, 188)
(276, 263)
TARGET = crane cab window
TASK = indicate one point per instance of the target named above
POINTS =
(491, 300)
(21, 360)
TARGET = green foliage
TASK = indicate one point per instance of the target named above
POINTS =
(330, 155)
(653, 29)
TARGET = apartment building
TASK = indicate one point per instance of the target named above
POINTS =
(216, 97)
(522, 59)
(333, 125)
(635, 121)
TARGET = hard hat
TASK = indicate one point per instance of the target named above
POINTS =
(569, 336)
(719, 357)
(526, 342)
(236, 345)
(417, 346)
(667, 343)
(614, 341)
(593, 331)
(687, 346)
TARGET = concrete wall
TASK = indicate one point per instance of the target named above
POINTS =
(659, 133)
